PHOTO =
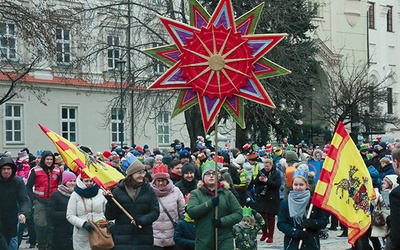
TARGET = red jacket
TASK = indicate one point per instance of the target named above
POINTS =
(46, 183)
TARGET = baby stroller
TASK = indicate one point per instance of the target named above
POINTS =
(324, 233)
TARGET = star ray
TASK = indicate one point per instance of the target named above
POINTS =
(236, 71)
(208, 81)
(197, 54)
(229, 79)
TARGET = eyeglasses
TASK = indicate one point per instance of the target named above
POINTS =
(142, 173)
(209, 173)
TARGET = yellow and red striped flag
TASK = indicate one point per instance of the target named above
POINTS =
(345, 187)
(77, 160)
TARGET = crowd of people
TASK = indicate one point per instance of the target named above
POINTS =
(176, 197)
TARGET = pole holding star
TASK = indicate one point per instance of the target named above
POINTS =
(217, 61)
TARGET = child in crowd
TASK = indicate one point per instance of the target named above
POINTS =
(245, 232)
(292, 219)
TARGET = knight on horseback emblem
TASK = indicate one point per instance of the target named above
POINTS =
(356, 189)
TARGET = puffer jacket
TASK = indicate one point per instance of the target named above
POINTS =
(291, 230)
(200, 209)
(145, 210)
(77, 216)
(163, 229)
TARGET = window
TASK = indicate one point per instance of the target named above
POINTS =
(389, 19)
(113, 51)
(163, 125)
(68, 123)
(158, 67)
(117, 126)
(371, 15)
(13, 124)
(8, 41)
(63, 40)
(390, 101)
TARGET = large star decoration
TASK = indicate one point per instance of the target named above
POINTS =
(217, 61)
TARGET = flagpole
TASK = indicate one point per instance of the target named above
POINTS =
(122, 208)
(308, 216)
(216, 175)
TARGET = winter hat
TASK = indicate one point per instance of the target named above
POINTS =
(278, 151)
(382, 144)
(160, 171)
(67, 176)
(290, 147)
(392, 180)
(240, 159)
(23, 155)
(149, 161)
(139, 148)
(246, 147)
(167, 159)
(268, 148)
(363, 147)
(136, 166)
(145, 146)
(188, 167)
(106, 154)
(8, 153)
(184, 154)
(206, 167)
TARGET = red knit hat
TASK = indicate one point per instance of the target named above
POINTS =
(106, 153)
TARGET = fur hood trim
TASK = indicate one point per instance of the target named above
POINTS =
(225, 184)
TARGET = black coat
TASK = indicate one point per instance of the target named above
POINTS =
(394, 200)
(268, 203)
(145, 210)
(13, 194)
(56, 213)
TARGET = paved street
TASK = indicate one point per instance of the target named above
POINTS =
(329, 244)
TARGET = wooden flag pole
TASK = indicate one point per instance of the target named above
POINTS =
(216, 175)
(308, 216)
(122, 208)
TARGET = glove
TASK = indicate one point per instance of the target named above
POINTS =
(215, 201)
(302, 235)
(308, 223)
(88, 226)
(216, 223)
(111, 227)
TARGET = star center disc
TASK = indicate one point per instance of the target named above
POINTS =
(216, 62)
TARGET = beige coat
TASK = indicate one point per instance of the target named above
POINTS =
(379, 231)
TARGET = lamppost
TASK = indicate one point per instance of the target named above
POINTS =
(120, 66)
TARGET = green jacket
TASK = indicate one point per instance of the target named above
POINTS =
(200, 209)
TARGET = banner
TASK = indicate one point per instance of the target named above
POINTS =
(77, 160)
(345, 187)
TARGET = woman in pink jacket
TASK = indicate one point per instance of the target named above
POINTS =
(172, 205)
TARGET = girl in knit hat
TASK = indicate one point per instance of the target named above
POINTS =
(172, 205)
(57, 210)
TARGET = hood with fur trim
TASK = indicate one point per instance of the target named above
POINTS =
(225, 185)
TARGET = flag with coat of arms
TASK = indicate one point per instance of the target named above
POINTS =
(345, 187)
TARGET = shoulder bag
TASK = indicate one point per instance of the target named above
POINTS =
(100, 238)
(378, 219)
(166, 211)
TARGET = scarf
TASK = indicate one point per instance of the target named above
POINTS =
(175, 176)
(87, 192)
(64, 190)
(161, 192)
(133, 191)
(220, 184)
(187, 218)
(298, 201)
